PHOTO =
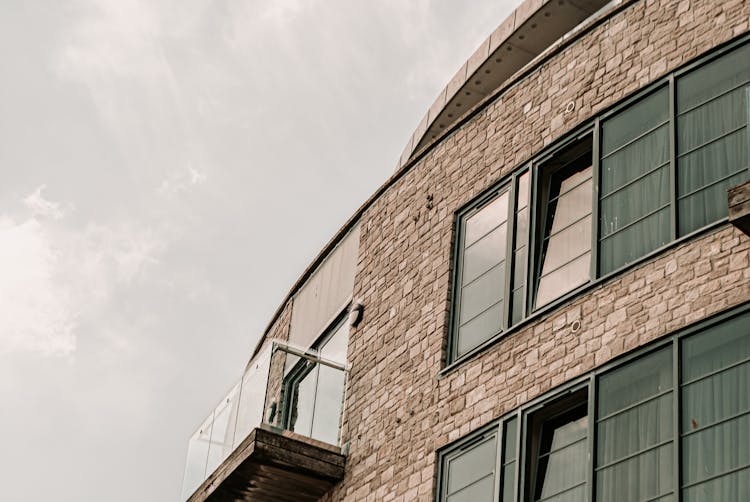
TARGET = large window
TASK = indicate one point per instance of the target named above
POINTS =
(312, 392)
(625, 433)
(487, 237)
(712, 142)
(644, 174)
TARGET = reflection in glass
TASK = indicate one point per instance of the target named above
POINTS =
(566, 242)
(471, 472)
(482, 273)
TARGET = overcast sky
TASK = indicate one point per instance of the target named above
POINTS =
(168, 169)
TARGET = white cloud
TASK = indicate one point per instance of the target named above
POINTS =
(41, 207)
(180, 181)
(54, 276)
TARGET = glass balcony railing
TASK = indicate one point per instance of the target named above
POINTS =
(286, 388)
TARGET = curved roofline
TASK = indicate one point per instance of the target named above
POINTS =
(405, 164)
(527, 32)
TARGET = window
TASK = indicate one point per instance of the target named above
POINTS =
(635, 431)
(312, 391)
(671, 420)
(557, 459)
(650, 171)
(565, 247)
(486, 232)
(715, 391)
(634, 201)
(712, 142)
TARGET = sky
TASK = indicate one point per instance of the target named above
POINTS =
(168, 169)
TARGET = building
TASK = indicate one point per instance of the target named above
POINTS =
(549, 300)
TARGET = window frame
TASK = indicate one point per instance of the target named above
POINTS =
(589, 383)
(593, 127)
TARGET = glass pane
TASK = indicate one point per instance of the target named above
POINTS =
(634, 161)
(716, 450)
(562, 470)
(509, 450)
(523, 191)
(522, 227)
(335, 347)
(630, 384)
(518, 311)
(486, 219)
(472, 465)
(328, 403)
(567, 244)
(716, 348)
(734, 487)
(571, 205)
(635, 120)
(634, 430)
(563, 280)
(482, 293)
(643, 477)
(484, 254)
(253, 396)
(480, 491)
(636, 241)
(222, 432)
(197, 457)
(481, 328)
(303, 401)
(712, 138)
(722, 395)
(509, 479)
(714, 78)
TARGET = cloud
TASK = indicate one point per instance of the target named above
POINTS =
(55, 276)
(180, 181)
(41, 207)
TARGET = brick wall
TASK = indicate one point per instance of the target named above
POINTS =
(399, 412)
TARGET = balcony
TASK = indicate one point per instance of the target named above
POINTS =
(276, 435)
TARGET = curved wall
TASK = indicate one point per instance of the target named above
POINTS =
(401, 405)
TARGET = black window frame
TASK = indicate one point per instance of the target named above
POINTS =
(536, 228)
(588, 383)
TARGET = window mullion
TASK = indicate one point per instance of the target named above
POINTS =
(595, 154)
(590, 476)
(672, 159)
(676, 418)
(509, 255)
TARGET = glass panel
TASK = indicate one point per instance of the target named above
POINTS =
(336, 346)
(479, 329)
(197, 457)
(712, 137)
(509, 450)
(562, 455)
(567, 244)
(563, 280)
(639, 380)
(635, 120)
(714, 78)
(328, 403)
(509, 477)
(634, 202)
(635, 241)
(487, 218)
(482, 293)
(567, 213)
(222, 432)
(716, 412)
(472, 465)
(642, 477)
(484, 254)
(479, 491)
(302, 401)
(734, 487)
(253, 396)
(518, 310)
(523, 190)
